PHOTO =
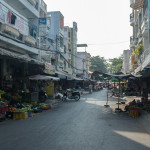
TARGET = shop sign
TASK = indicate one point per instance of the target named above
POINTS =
(42, 21)
(49, 69)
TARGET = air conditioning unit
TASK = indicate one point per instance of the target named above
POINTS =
(28, 40)
(10, 30)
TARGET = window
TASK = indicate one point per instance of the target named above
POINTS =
(61, 42)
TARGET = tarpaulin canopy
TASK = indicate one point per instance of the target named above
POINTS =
(113, 79)
(78, 79)
(118, 76)
(42, 77)
(15, 55)
(64, 74)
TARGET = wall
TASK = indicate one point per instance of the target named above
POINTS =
(21, 23)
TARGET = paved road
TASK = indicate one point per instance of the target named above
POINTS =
(82, 125)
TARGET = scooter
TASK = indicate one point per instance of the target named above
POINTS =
(71, 95)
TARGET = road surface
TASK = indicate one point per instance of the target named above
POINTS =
(82, 125)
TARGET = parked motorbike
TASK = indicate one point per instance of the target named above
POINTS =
(71, 95)
(42, 96)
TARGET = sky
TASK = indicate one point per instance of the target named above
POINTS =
(103, 25)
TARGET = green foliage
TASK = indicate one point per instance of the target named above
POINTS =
(98, 64)
(139, 50)
(116, 64)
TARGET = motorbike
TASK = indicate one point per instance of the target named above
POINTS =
(42, 96)
(71, 95)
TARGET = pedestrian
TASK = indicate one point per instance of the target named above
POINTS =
(90, 88)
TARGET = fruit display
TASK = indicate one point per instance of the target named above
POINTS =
(3, 107)
(21, 110)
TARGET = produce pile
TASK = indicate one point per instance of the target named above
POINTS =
(3, 107)
(19, 107)
(9, 110)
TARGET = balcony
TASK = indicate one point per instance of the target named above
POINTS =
(135, 41)
(43, 6)
(33, 2)
(132, 2)
(10, 30)
(131, 41)
(139, 35)
(131, 19)
(29, 40)
(27, 8)
(136, 4)
(144, 27)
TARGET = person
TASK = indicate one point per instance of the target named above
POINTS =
(90, 88)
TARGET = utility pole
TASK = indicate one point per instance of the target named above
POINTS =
(83, 66)
(56, 52)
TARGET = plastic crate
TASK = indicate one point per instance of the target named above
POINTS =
(134, 113)
(20, 115)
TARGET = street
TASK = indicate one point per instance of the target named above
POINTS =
(82, 125)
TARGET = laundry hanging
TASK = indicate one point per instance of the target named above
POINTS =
(11, 18)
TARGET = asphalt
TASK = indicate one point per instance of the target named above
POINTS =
(71, 125)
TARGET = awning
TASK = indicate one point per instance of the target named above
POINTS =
(117, 76)
(64, 74)
(19, 56)
(42, 77)
(138, 69)
(78, 79)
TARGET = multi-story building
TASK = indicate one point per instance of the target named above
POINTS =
(139, 41)
(74, 45)
(126, 61)
(56, 35)
(68, 48)
(83, 64)
(19, 51)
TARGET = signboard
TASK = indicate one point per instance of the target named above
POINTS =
(49, 69)
(42, 21)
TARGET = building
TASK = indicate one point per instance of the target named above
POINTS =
(68, 48)
(139, 41)
(83, 64)
(126, 61)
(56, 35)
(19, 51)
(74, 46)
(70, 43)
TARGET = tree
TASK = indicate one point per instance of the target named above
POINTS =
(116, 64)
(98, 64)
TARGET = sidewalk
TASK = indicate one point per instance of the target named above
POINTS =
(143, 119)
(53, 102)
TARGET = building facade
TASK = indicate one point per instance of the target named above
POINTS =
(56, 35)
(126, 61)
(19, 51)
(140, 41)
(74, 46)
(68, 48)
(83, 64)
